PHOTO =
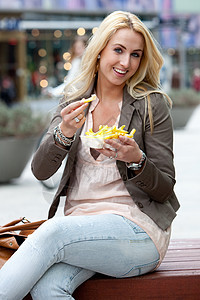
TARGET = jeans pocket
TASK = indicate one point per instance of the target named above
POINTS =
(136, 228)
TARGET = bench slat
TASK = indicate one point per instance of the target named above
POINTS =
(192, 254)
(143, 288)
(184, 244)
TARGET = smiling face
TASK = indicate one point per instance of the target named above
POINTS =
(121, 57)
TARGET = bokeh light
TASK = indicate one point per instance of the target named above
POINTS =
(81, 31)
(57, 33)
(42, 69)
(42, 52)
(94, 29)
(67, 66)
(66, 56)
(43, 83)
(35, 32)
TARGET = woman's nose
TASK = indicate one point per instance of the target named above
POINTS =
(125, 61)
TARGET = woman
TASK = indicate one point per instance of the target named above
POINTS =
(76, 51)
(120, 201)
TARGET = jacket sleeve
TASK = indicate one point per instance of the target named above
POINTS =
(157, 178)
(48, 157)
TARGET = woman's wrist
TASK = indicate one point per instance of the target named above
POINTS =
(61, 138)
(137, 166)
(66, 131)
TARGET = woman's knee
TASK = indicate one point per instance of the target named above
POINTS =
(45, 236)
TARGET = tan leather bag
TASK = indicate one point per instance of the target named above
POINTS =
(13, 234)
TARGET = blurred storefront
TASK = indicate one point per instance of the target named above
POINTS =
(35, 36)
(179, 36)
(13, 56)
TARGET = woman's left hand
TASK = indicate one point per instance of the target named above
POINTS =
(126, 149)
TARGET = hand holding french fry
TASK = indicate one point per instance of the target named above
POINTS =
(73, 116)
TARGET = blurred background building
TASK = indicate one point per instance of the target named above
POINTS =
(36, 35)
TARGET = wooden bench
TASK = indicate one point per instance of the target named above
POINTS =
(178, 277)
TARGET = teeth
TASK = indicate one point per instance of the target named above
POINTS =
(120, 71)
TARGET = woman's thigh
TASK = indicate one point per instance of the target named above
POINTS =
(108, 244)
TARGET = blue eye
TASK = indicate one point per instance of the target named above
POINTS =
(135, 54)
(118, 50)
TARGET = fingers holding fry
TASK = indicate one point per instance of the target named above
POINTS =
(77, 106)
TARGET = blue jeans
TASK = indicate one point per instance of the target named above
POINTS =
(66, 251)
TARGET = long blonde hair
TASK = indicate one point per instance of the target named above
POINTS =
(144, 82)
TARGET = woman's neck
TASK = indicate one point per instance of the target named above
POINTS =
(109, 94)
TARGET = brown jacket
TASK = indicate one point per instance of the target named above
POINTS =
(152, 189)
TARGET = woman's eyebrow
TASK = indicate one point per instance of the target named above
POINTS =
(138, 50)
(117, 44)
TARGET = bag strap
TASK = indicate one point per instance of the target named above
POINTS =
(27, 226)
(14, 222)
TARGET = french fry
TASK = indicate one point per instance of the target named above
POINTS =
(93, 97)
(106, 132)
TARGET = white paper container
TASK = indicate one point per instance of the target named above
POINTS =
(96, 143)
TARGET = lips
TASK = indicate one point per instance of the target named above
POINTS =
(119, 71)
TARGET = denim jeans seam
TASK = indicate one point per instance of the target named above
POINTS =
(90, 240)
(139, 267)
(79, 269)
(134, 227)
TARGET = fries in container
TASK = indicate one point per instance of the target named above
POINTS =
(96, 139)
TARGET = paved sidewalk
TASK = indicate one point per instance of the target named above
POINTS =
(27, 197)
(187, 163)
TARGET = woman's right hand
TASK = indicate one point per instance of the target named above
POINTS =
(74, 110)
